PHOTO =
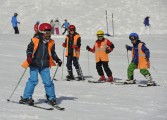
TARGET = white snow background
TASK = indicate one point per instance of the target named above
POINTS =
(83, 100)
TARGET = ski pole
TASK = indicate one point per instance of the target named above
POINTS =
(80, 70)
(62, 64)
(128, 57)
(55, 72)
(88, 65)
(162, 77)
(17, 84)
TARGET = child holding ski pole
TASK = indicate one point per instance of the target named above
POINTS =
(140, 60)
(40, 56)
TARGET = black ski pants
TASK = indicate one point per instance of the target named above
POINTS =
(16, 30)
(105, 66)
(70, 60)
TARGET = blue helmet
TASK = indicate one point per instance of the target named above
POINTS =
(133, 36)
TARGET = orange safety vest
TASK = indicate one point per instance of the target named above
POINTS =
(142, 62)
(100, 52)
(76, 52)
(36, 42)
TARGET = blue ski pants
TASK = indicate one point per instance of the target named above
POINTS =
(33, 81)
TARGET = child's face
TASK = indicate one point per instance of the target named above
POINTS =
(133, 41)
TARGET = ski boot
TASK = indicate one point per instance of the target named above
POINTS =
(130, 82)
(149, 80)
(70, 76)
(28, 101)
(52, 102)
(110, 79)
(80, 75)
(150, 83)
(102, 79)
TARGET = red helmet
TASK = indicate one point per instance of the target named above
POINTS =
(45, 27)
(71, 28)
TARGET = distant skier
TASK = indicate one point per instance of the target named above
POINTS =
(102, 48)
(73, 44)
(140, 59)
(36, 27)
(146, 22)
(57, 25)
(65, 26)
(40, 57)
(14, 23)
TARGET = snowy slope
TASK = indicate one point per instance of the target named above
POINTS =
(82, 100)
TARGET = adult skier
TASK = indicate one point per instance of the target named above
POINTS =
(57, 25)
(140, 59)
(36, 27)
(65, 26)
(146, 22)
(102, 48)
(72, 44)
(14, 23)
(40, 56)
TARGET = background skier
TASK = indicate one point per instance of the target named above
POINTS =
(65, 26)
(57, 25)
(14, 23)
(36, 27)
(146, 22)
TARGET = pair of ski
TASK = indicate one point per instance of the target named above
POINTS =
(76, 78)
(116, 80)
(44, 108)
(119, 81)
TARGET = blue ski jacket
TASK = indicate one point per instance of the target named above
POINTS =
(14, 21)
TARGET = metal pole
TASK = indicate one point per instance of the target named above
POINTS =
(55, 72)
(17, 84)
(106, 22)
(62, 65)
(113, 24)
(128, 57)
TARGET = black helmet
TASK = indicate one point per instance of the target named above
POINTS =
(15, 14)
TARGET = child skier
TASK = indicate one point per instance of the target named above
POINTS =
(40, 56)
(101, 49)
(140, 59)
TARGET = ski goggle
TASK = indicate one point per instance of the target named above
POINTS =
(46, 32)
(100, 35)
(132, 38)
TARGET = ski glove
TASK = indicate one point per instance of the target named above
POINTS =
(108, 51)
(59, 62)
(147, 59)
(74, 46)
(29, 58)
(64, 44)
(126, 46)
(87, 48)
